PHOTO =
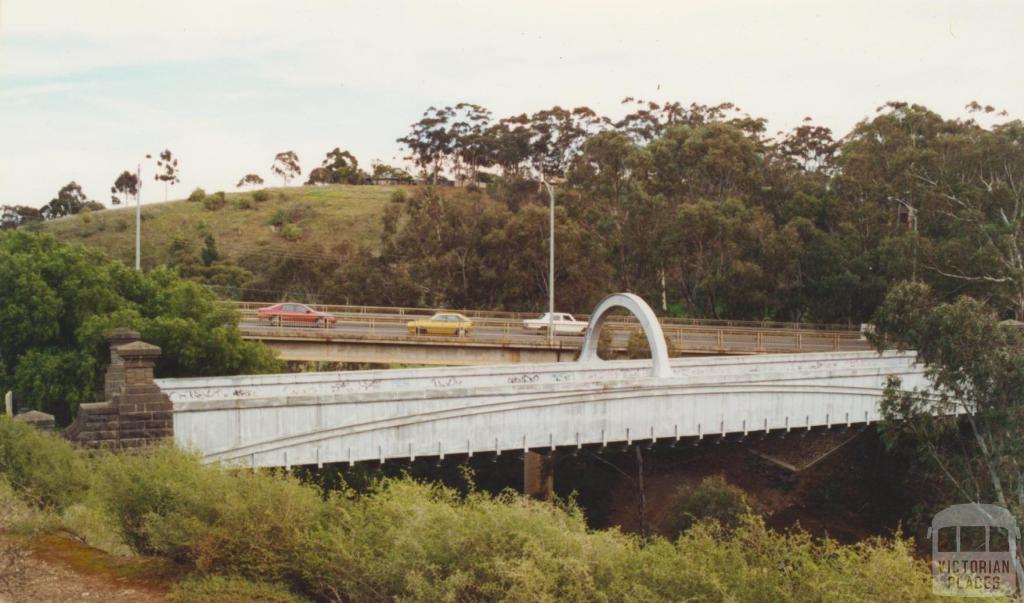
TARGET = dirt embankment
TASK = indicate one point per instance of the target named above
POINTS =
(58, 569)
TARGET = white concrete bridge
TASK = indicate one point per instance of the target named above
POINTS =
(316, 418)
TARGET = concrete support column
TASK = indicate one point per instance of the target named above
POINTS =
(538, 476)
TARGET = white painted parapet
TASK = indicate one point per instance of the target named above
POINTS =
(315, 418)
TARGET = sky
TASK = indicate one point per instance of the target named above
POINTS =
(87, 89)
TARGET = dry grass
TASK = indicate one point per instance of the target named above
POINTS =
(327, 215)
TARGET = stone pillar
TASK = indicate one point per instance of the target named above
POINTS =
(144, 412)
(538, 476)
(136, 413)
(114, 378)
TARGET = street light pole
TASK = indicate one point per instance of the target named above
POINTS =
(551, 262)
(138, 217)
(912, 214)
(138, 214)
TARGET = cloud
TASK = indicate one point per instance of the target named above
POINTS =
(87, 87)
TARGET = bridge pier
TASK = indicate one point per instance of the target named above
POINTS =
(136, 413)
(538, 475)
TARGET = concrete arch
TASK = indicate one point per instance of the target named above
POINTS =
(648, 321)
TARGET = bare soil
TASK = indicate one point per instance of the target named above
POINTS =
(58, 569)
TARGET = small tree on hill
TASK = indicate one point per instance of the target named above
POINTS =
(249, 180)
(209, 254)
(286, 165)
(126, 185)
(70, 200)
(169, 166)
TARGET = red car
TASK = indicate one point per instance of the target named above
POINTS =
(295, 315)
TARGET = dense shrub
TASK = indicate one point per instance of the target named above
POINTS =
(60, 300)
(197, 196)
(244, 203)
(43, 468)
(399, 196)
(261, 196)
(215, 201)
(714, 498)
(166, 502)
(250, 534)
(291, 232)
(230, 589)
(280, 218)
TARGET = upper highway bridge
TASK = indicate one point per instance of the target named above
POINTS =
(366, 334)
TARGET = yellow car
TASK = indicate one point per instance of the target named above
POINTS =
(442, 323)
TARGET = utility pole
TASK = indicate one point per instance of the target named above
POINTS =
(551, 263)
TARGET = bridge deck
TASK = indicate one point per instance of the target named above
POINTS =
(501, 341)
(313, 418)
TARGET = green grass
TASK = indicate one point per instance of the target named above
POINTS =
(325, 215)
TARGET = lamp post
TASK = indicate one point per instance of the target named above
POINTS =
(138, 214)
(551, 262)
(912, 214)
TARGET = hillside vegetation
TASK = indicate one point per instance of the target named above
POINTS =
(243, 225)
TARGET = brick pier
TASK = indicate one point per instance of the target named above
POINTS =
(136, 413)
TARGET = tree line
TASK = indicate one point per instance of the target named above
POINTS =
(696, 208)
(339, 167)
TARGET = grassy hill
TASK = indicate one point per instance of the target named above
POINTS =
(289, 218)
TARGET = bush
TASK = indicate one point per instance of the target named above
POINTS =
(166, 502)
(244, 203)
(45, 469)
(215, 201)
(248, 533)
(714, 499)
(399, 196)
(423, 542)
(279, 219)
(121, 225)
(197, 196)
(230, 589)
(18, 516)
(291, 232)
(261, 196)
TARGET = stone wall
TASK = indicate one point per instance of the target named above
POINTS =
(136, 413)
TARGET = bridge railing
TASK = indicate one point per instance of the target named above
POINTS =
(409, 313)
(510, 332)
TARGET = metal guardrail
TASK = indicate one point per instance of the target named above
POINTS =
(420, 312)
(510, 332)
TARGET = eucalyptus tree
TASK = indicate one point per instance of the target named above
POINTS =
(126, 185)
(167, 170)
(69, 200)
(249, 180)
(286, 165)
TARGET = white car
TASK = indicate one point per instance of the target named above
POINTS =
(563, 324)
